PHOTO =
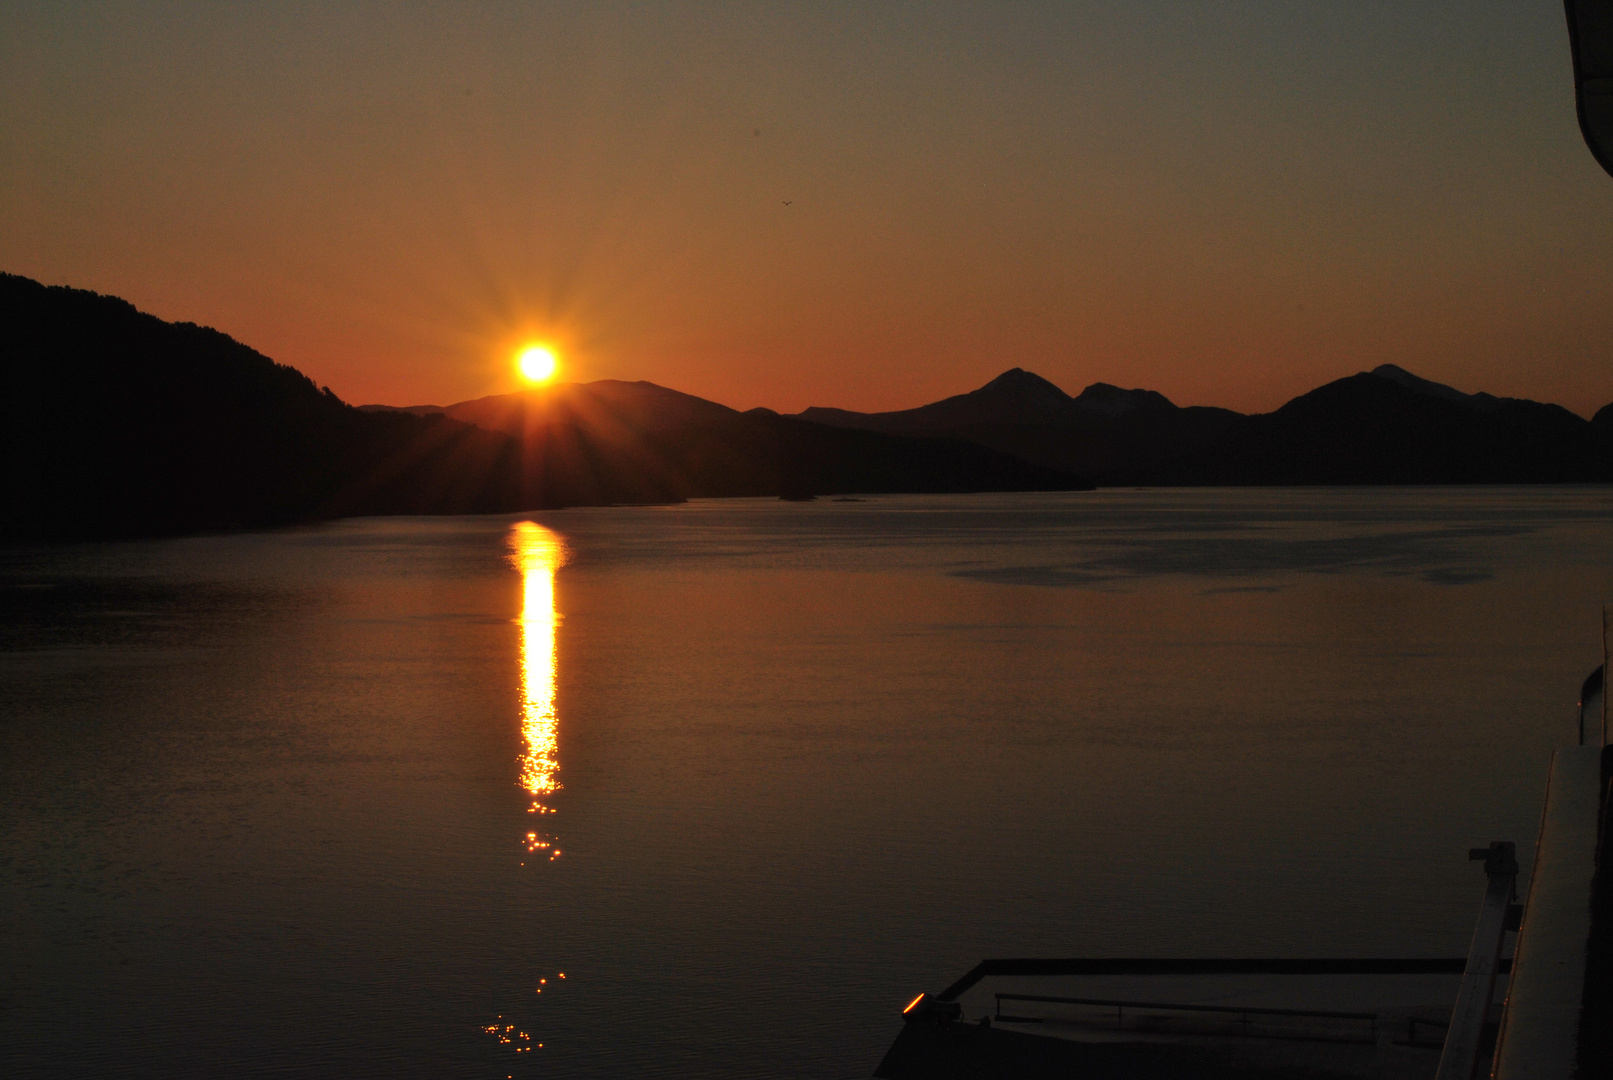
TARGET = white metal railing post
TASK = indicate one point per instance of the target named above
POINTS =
(1607, 628)
(1460, 1057)
(1540, 1027)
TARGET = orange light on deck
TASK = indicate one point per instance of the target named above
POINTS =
(911, 1004)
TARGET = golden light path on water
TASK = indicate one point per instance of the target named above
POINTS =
(538, 553)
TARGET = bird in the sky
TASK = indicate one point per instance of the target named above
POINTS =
(788, 201)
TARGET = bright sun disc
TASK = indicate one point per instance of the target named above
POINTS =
(537, 363)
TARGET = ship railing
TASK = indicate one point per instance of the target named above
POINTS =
(1243, 1013)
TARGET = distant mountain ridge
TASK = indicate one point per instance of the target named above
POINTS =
(1015, 397)
(678, 443)
(120, 424)
(1386, 426)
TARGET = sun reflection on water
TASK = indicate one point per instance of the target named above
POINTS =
(538, 553)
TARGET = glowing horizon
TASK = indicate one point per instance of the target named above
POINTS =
(836, 205)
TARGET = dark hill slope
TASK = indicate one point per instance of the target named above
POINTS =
(1388, 426)
(1602, 432)
(119, 424)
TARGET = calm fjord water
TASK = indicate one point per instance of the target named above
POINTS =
(290, 803)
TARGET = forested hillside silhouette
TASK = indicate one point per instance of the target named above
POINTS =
(120, 424)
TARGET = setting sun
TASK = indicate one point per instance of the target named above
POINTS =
(537, 363)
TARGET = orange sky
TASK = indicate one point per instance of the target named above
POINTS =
(1228, 207)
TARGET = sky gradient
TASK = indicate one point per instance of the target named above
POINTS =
(854, 205)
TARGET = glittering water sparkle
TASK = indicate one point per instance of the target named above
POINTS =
(538, 553)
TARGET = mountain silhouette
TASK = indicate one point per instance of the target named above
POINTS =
(1014, 397)
(1386, 426)
(120, 424)
(1112, 435)
(682, 445)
